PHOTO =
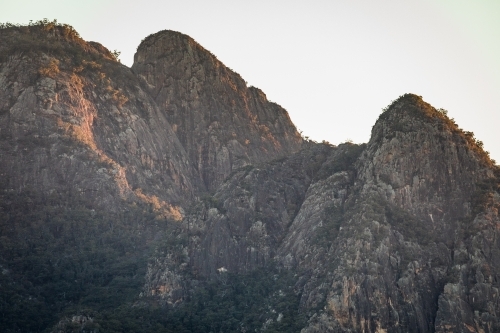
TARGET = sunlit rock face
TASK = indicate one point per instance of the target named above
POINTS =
(428, 165)
(222, 124)
(75, 123)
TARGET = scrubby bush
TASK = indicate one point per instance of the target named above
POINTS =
(51, 69)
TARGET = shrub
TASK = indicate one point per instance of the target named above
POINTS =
(51, 69)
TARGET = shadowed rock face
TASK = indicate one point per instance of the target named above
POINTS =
(398, 235)
(222, 124)
(259, 216)
(384, 238)
(399, 263)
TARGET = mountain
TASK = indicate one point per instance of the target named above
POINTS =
(221, 123)
(171, 197)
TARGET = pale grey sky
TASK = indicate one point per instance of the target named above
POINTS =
(333, 64)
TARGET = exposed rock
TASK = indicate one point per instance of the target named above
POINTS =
(398, 235)
(222, 124)
(84, 128)
(429, 165)
(77, 323)
(241, 226)
(397, 248)
(469, 302)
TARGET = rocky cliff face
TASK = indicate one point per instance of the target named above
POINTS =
(396, 257)
(222, 124)
(75, 122)
(61, 87)
(397, 235)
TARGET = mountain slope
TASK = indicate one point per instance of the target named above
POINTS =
(171, 197)
(379, 236)
(403, 233)
(92, 175)
(222, 124)
(76, 123)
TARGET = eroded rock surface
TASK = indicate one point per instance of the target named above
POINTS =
(391, 237)
(398, 235)
(83, 127)
(405, 233)
(222, 123)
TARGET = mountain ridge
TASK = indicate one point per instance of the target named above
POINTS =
(170, 196)
(220, 121)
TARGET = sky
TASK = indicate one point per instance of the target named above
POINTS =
(332, 64)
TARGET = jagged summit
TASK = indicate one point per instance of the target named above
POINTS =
(222, 123)
(410, 113)
(171, 184)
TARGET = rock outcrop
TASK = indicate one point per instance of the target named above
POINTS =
(397, 235)
(69, 105)
(391, 237)
(407, 230)
(222, 124)
(74, 122)
(240, 226)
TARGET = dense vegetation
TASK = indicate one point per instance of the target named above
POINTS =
(263, 300)
(60, 259)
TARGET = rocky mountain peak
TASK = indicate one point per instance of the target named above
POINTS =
(410, 113)
(69, 110)
(406, 230)
(422, 160)
(175, 184)
(159, 44)
(222, 124)
(48, 37)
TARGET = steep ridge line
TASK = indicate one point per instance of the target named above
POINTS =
(206, 200)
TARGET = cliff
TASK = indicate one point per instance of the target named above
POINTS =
(399, 261)
(75, 122)
(222, 124)
(399, 235)
(171, 197)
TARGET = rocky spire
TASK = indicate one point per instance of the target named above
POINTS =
(222, 123)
